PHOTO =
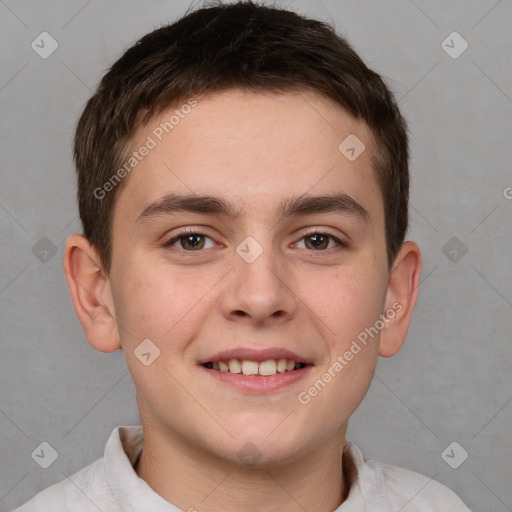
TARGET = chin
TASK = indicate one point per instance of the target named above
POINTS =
(260, 447)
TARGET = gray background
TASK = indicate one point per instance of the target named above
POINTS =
(451, 382)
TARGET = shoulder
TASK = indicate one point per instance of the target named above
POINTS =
(416, 492)
(402, 488)
(83, 491)
(108, 484)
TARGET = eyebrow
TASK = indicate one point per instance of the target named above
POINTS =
(301, 205)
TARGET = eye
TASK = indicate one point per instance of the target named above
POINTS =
(193, 241)
(321, 241)
(190, 241)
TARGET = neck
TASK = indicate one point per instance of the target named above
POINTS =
(195, 480)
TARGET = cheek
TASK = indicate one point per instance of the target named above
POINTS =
(158, 306)
(346, 302)
(163, 305)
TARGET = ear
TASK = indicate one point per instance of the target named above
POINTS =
(91, 294)
(401, 298)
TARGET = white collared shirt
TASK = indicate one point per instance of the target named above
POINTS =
(110, 484)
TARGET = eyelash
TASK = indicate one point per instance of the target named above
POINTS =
(190, 231)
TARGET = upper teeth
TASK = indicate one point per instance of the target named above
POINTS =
(248, 367)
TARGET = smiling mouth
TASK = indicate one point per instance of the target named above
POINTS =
(255, 368)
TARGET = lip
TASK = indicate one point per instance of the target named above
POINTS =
(255, 355)
(258, 384)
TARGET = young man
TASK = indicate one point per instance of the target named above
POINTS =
(243, 188)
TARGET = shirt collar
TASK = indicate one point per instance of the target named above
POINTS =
(133, 494)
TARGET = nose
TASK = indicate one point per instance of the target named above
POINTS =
(260, 291)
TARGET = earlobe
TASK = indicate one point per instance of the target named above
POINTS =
(91, 294)
(401, 298)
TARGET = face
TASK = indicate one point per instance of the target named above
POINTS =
(244, 266)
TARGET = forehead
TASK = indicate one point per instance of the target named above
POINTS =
(255, 149)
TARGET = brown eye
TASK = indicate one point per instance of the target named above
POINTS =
(317, 241)
(189, 241)
(192, 242)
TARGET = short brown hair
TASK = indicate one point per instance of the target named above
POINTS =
(240, 45)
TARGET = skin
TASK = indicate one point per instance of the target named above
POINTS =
(252, 149)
